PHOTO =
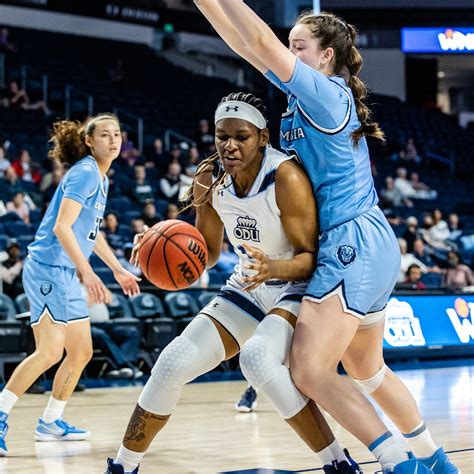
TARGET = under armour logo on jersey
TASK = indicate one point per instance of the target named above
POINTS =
(235, 108)
(214, 305)
(346, 254)
(46, 288)
(220, 192)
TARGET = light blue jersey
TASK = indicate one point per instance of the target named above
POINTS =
(83, 184)
(317, 128)
(358, 257)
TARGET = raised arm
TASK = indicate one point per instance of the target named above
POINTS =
(258, 37)
(228, 32)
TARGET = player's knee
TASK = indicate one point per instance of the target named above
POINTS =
(257, 361)
(371, 383)
(50, 356)
(177, 363)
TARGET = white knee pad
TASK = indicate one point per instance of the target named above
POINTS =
(198, 350)
(371, 385)
(263, 360)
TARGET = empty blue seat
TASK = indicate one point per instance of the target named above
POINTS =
(119, 307)
(181, 305)
(15, 229)
(7, 308)
(206, 297)
(146, 305)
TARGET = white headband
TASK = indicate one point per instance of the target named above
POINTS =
(240, 110)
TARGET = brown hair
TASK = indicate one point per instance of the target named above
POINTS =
(68, 138)
(332, 31)
(217, 169)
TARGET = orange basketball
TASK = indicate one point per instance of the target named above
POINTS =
(173, 255)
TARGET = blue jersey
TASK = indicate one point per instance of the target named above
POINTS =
(317, 128)
(83, 184)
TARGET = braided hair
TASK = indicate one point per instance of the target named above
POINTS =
(212, 162)
(332, 31)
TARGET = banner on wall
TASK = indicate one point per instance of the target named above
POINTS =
(424, 321)
(438, 40)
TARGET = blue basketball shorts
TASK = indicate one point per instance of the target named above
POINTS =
(358, 260)
(54, 292)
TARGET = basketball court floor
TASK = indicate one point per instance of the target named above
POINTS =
(206, 434)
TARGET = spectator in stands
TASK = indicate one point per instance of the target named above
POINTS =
(170, 183)
(128, 153)
(458, 275)
(193, 162)
(392, 196)
(172, 211)
(4, 162)
(19, 98)
(411, 233)
(137, 226)
(121, 344)
(149, 215)
(141, 190)
(204, 138)
(11, 270)
(407, 259)
(177, 156)
(455, 226)
(56, 177)
(413, 279)
(19, 207)
(111, 232)
(422, 191)
(26, 169)
(9, 184)
(420, 252)
(403, 185)
(440, 230)
(411, 153)
(159, 158)
(430, 236)
(227, 259)
(6, 46)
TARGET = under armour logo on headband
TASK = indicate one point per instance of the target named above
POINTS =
(229, 108)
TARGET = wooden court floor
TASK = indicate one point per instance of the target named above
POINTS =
(206, 435)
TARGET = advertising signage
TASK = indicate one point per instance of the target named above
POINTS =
(424, 321)
(438, 40)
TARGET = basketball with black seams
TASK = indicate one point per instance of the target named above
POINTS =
(173, 255)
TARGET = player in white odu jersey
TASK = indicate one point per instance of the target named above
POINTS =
(263, 200)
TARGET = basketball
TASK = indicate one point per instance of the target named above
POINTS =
(173, 255)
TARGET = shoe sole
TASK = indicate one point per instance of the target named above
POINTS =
(3, 453)
(244, 409)
(69, 437)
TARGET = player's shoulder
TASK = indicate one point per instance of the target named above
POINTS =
(290, 174)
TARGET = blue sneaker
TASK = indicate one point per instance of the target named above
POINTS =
(439, 463)
(113, 468)
(410, 466)
(248, 402)
(3, 433)
(59, 430)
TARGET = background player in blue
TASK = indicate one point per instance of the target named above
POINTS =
(342, 315)
(66, 237)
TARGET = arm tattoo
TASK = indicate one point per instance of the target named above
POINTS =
(137, 426)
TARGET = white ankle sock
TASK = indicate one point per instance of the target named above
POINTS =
(128, 459)
(331, 453)
(54, 410)
(420, 441)
(388, 451)
(7, 400)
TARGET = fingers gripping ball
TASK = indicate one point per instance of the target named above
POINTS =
(173, 255)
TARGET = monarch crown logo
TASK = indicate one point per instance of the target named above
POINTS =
(246, 229)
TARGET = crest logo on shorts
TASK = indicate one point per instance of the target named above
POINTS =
(346, 254)
(46, 288)
(246, 229)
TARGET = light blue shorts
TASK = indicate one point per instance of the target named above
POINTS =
(53, 291)
(358, 260)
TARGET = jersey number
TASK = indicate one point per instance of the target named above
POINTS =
(93, 234)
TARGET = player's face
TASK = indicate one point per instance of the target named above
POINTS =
(239, 144)
(106, 140)
(305, 47)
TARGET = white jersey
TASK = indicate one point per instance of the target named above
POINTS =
(255, 219)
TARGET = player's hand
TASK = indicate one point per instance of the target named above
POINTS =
(96, 289)
(262, 265)
(128, 282)
(134, 258)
